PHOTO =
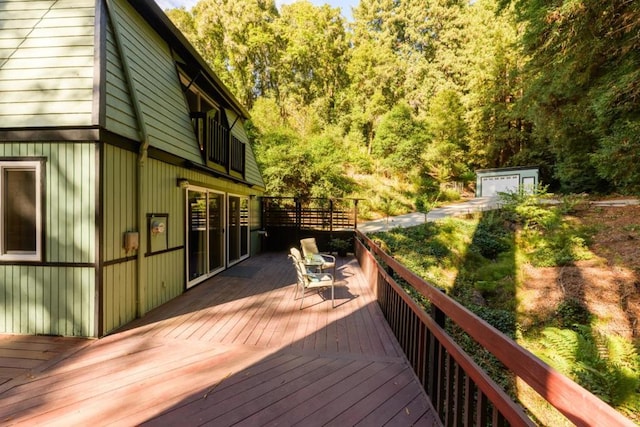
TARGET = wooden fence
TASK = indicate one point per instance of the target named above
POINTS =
(311, 214)
(462, 393)
(286, 220)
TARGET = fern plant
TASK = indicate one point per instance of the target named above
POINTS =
(608, 366)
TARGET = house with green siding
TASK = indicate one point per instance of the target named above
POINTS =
(126, 174)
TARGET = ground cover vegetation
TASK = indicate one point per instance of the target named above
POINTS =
(562, 280)
(410, 95)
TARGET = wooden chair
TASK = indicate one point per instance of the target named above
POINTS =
(309, 280)
(310, 249)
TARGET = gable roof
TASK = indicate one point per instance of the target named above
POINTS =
(161, 23)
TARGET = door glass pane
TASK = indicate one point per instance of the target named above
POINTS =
(197, 217)
(20, 220)
(216, 229)
(244, 227)
(234, 228)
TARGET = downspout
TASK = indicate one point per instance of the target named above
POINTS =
(142, 157)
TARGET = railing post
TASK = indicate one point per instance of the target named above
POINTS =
(298, 213)
(436, 377)
(355, 214)
(330, 215)
(437, 314)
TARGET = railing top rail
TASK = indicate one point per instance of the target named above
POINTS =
(512, 411)
(572, 400)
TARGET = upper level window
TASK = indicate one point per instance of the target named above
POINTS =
(217, 144)
(20, 210)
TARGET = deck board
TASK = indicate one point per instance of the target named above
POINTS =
(235, 350)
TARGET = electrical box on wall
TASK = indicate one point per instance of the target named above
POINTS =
(158, 227)
(131, 241)
(157, 239)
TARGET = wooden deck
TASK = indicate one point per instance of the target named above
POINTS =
(235, 350)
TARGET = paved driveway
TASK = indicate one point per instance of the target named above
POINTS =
(474, 205)
(409, 220)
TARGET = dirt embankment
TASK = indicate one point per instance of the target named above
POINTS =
(608, 285)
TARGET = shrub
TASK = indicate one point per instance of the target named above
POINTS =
(490, 236)
(571, 312)
(489, 245)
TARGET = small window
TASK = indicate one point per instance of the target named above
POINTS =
(20, 211)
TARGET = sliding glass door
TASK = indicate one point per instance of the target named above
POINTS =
(238, 235)
(205, 234)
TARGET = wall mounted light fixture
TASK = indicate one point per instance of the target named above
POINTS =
(183, 182)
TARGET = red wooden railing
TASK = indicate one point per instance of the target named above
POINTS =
(461, 392)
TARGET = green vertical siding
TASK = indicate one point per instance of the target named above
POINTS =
(119, 200)
(157, 86)
(118, 216)
(47, 300)
(165, 272)
(57, 297)
(119, 294)
(47, 62)
(165, 278)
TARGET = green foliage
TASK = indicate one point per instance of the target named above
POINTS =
(339, 245)
(490, 237)
(581, 89)
(399, 140)
(572, 313)
(292, 168)
(449, 195)
(444, 157)
(527, 210)
(550, 240)
(428, 92)
(608, 366)
(558, 247)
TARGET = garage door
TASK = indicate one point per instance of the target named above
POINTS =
(492, 185)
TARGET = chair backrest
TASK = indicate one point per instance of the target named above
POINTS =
(295, 253)
(309, 246)
(298, 264)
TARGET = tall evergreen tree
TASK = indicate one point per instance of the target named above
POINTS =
(582, 92)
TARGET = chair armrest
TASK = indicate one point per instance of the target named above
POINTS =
(319, 277)
(327, 256)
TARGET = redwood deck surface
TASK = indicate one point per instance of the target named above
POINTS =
(235, 350)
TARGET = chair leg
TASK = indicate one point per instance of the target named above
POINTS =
(333, 301)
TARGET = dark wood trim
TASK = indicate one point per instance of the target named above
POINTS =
(119, 141)
(99, 238)
(51, 264)
(175, 248)
(119, 260)
(100, 66)
(163, 156)
(43, 207)
(215, 173)
(75, 134)
(41, 159)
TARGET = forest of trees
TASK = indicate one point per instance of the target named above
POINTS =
(423, 92)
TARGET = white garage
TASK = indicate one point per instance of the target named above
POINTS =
(490, 182)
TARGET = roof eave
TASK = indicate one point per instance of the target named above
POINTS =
(160, 22)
